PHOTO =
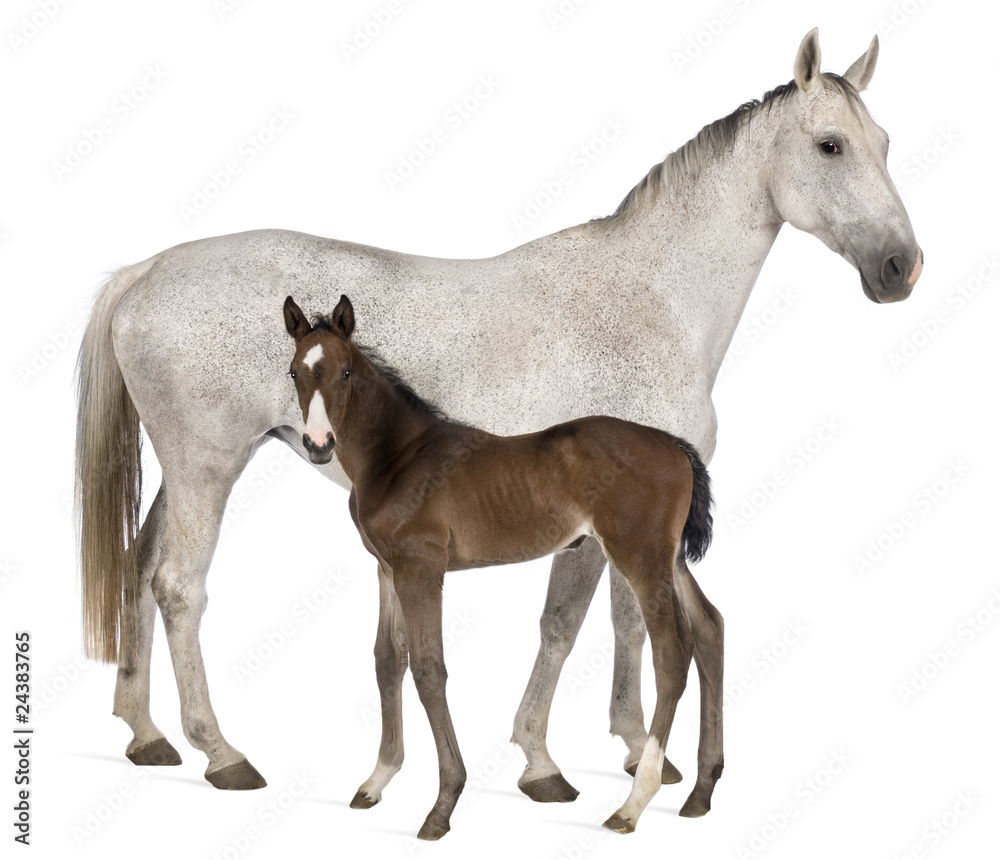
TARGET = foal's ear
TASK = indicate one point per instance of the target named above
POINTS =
(807, 62)
(343, 316)
(296, 323)
(860, 72)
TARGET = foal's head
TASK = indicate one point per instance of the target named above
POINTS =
(321, 368)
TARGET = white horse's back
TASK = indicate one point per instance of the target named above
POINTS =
(507, 323)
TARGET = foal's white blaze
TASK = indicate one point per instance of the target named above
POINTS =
(314, 355)
(317, 422)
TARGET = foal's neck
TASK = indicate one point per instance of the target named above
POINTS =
(379, 422)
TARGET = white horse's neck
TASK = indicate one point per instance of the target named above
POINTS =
(700, 236)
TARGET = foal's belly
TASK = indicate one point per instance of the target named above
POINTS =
(504, 517)
(532, 535)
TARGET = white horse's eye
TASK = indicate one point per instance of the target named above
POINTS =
(830, 147)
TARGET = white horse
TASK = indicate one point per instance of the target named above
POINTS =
(630, 316)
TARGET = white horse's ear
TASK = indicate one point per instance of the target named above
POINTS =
(860, 72)
(807, 62)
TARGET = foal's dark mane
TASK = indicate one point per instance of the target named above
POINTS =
(716, 139)
(391, 375)
(388, 372)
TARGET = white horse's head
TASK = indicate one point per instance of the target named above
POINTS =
(828, 175)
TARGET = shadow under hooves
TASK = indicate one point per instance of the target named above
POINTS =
(668, 776)
(550, 789)
(157, 754)
(241, 776)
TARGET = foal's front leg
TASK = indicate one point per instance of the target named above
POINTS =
(390, 666)
(418, 587)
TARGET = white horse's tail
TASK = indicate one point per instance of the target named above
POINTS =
(108, 481)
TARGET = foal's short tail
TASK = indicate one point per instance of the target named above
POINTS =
(698, 528)
(108, 481)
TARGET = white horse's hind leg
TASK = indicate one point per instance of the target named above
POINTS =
(626, 701)
(148, 745)
(574, 578)
(193, 518)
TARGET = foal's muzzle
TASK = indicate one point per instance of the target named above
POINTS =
(319, 454)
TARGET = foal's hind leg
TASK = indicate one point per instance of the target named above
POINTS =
(626, 701)
(390, 667)
(574, 578)
(707, 627)
(148, 745)
(197, 497)
(673, 645)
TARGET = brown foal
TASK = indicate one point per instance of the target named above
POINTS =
(430, 495)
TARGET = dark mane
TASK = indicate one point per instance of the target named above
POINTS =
(424, 407)
(716, 139)
(325, 323)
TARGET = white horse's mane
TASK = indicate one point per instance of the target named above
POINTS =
(714, 141)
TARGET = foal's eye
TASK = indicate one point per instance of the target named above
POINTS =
(830, 147)
(347, 374)
(291, 373)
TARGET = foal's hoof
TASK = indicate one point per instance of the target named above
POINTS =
(159, 752)
(363, 801)
(668, 776)
(432, 832)
(695, 807)
(241, 776)
(550, 789)
(619, 824)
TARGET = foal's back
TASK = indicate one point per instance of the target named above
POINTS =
(478, 499)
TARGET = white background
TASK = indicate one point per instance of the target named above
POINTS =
(837, 643)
